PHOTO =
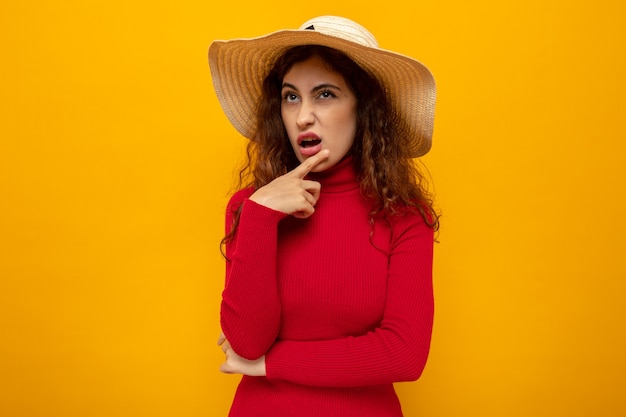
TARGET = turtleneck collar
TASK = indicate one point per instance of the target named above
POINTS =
(338, 178)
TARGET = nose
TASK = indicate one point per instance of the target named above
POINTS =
(306, 116)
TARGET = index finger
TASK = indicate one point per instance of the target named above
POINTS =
(308, 164)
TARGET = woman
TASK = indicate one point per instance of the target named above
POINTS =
(328, 298)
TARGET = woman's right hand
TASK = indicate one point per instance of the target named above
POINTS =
(291, 193)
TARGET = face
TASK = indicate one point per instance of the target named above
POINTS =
(319, 111)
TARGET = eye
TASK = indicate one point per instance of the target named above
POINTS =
(290, 97)
(326, 94)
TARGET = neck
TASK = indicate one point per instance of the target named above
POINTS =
(340, 177)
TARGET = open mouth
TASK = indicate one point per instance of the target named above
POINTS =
(308, 143)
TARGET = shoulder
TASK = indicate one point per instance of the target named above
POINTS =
(407, 217)
(409, 221)
(239, 197)
(402, 232)
(236, 200)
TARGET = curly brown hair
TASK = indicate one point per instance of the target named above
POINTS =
(387, 173)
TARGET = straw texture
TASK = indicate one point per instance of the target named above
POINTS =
(239, 66)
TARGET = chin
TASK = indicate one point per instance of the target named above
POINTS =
(325, 165)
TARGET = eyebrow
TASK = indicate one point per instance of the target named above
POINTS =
(314, 89)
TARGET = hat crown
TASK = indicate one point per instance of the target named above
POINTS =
(341, 27)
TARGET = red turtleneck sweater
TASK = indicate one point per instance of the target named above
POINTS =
(341, 308)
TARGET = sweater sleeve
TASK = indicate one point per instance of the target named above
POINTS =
(250, 307)
(395, 351)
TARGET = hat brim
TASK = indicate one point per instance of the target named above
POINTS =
(239, 66)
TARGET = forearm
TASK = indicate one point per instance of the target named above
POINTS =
(380, 357)
(250, 308)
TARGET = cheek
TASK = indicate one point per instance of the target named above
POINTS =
(347, 126)
(287, 123)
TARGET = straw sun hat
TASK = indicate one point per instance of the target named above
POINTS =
(239, 66)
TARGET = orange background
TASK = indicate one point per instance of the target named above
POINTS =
(116, 161)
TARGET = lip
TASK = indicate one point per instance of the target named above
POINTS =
(309, 150)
